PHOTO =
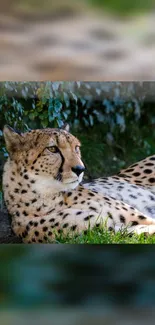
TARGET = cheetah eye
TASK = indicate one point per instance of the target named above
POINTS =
(53, 149)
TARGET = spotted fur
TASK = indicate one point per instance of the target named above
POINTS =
(42, 191)
(141, 173)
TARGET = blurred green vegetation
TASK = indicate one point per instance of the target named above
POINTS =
(122, 7)
(66, 7)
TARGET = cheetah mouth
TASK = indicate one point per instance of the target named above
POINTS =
(67, 183)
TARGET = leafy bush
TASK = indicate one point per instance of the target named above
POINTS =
(118, 106)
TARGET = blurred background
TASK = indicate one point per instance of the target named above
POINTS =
(68, 283)
(77, 40)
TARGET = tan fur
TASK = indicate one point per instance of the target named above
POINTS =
(43, 195)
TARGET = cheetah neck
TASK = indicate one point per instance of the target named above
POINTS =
(26, 194)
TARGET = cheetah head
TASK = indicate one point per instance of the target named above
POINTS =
(51, 157)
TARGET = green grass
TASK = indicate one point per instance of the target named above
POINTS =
(103, 236)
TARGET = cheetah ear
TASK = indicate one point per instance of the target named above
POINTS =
(13, 139)
(66, 127)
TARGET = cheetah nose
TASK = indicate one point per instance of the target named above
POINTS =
(78, 169)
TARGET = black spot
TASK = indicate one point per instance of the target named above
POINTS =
(50, 211)
(89, 217)
(26, 177)
(38, 209)
(25, 213)
(75, 198)
(52, 220)
(147, 171)
(78, 213)
(23, 191)
(40, 241)
(152, 180)
(65, 225)
(133, 196)
(42, 221)
(133, 186)
(91, 194)
(16, 190)
(69, 194)
(129, 170)
(32, 167)
(136, 174)
(122, 218)
(92, 208)
(151, 197)
(141, 217)
(134, 223)
(17, 214)
(109, 215)
(152, 158)
(31, 223)
(32, 182)
(73, 227)
(27, 204)
(12, 179)
(34, 200)
(56, 224)
(45, 229)
(120, 187)
(24, 234)
(26, 161)
(61, 203)
(34, 161)
(106, 198)
(149, 164)
(97, 225)
(82, 202)
(12, 197)
(65, 215)
(37, 233)
(50, 233)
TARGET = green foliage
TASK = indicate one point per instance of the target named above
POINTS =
(123, 7)
(120, 109)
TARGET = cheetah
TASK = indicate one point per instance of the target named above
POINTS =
(44, 195)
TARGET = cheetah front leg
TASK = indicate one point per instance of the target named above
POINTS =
(141, 229)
